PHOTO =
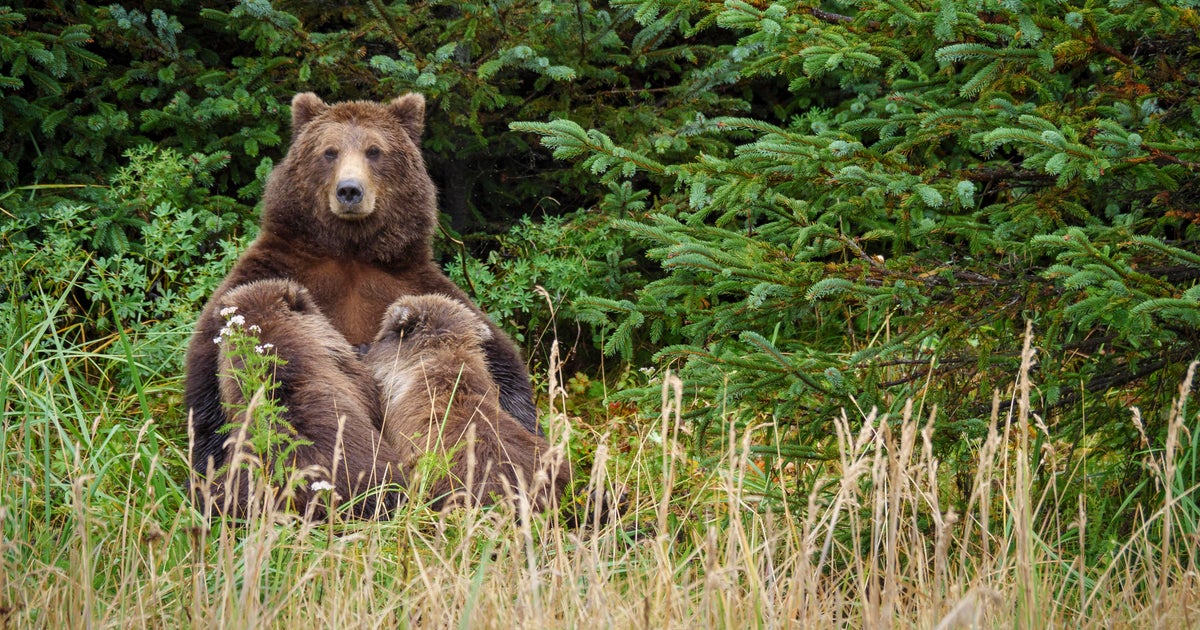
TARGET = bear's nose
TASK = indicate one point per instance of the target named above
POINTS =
(349, 192)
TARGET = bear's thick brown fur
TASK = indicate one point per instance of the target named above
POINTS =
(439, 397)
(331, 399)
(349, 214)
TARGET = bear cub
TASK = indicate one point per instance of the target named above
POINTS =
(332, 404)
(438, 396)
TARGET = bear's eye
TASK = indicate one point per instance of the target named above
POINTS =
(331, 154)
(373, 153)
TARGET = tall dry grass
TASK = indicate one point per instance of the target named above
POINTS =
(875, 544)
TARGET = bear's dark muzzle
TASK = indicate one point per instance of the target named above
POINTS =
(349, 192)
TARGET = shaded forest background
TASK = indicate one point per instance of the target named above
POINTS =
(797, 207)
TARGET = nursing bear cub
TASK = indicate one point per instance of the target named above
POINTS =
(331, 399)
(439, 397)
(348, 219)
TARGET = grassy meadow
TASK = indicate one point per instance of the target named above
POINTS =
(99, 530)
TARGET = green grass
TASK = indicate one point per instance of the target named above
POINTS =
(98, 529)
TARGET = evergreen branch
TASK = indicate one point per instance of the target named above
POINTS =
(1123, 272)
(828, 16)
(960, 52)
(827, 286)
(1160, 304)
(1022, 176)
(1157, 156)
(694, 261)
(751, 124)
(1100, 46)
(768, 348)
(1120, 377)
(390, 20)
(1180, 254)
(569, 140)
(682, 351)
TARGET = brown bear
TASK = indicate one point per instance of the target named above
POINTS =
(331, 399)
(439, 397)
(349, 214)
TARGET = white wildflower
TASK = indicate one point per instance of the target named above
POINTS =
(263, 348)
(217, 339)
(318, 486)
(228, 310)
(254, 328)
(237, 320)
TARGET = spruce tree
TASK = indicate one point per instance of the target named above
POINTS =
(908, 184)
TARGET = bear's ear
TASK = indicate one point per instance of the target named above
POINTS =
(410, 111)
(400, 318)
(297, 298)
(305, 107)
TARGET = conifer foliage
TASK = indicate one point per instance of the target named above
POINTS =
(907, 185)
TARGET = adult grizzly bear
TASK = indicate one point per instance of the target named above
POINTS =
(349, 214)
(439, 397)
(332, 403)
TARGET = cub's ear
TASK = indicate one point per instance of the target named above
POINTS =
(297, 298)
(305, 107)
(399, 319)
(410, 111)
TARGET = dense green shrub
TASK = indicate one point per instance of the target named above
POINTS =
(537, 272)
(80, 251)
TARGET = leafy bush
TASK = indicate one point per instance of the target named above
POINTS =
(534, 274)
(130, 254)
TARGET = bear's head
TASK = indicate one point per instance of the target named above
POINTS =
(282, 313)
(353, 183)
(431, 321)
(265, 301)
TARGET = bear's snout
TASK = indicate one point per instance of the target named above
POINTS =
(349, 192)
(351, 198)
(351, 185)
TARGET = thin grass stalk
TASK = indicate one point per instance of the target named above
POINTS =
(943, 523)
(1022, 510)
(1166, 551)
(83, 611)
